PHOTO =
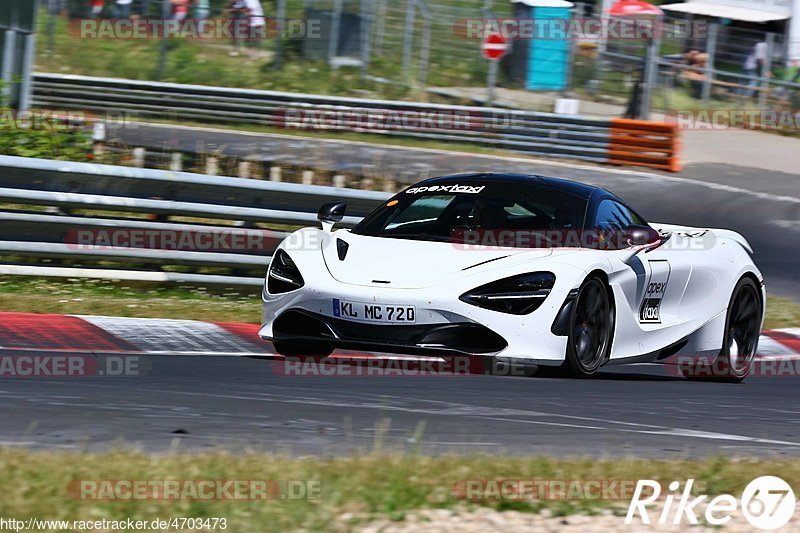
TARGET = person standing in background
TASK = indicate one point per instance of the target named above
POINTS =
(753, 64)
(180, 9)
(122, 9)
(257, 22)
(144, 8)
(96, 8)
(202, 9)
(237, 11)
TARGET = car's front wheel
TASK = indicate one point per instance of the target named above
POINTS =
(290, 349)
(591, 329)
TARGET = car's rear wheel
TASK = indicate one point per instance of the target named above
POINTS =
(321, 349)
(591, 329)
(740, 341)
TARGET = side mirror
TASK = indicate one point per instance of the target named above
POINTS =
(331, 213)
(641, 235)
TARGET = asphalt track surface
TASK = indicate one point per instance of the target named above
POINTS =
(762, 205)
(236, 403)
(203, 403)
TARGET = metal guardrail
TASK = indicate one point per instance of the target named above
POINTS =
(227, 197)
(102, 200)
(533, 133)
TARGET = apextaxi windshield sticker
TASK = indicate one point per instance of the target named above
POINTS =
(462, 189)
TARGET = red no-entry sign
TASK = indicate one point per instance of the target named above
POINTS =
(494, 47)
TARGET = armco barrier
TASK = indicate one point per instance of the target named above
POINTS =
(541, 134)
(37, 243)
(644, 143)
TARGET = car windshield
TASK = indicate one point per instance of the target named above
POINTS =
(520, 215)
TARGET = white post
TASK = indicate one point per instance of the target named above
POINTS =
(274, 173)
(176, 162)
(98, 137)
(244, 169)
(138, 157)
(212, 165)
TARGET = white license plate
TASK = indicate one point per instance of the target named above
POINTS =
(386, 314)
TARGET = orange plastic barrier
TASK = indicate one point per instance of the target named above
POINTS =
(644, 143)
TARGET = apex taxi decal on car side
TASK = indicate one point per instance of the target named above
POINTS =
(650, 312)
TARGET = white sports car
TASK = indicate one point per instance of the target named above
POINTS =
(516, 268)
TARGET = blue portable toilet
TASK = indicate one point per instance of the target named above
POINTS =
(541, 62)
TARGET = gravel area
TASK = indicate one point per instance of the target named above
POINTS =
(485, 519)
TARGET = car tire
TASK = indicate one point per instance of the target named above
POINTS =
(320, 349)
(591, 329)
(740, 339)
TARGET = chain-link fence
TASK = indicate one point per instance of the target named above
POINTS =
(727, 68)
(426, 50)
(413, 43)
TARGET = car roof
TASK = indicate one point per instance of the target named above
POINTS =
(579, 189)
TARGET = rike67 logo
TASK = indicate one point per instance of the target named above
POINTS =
(768, 503)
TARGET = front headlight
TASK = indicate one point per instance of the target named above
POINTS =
(517, 295)
(283, 275)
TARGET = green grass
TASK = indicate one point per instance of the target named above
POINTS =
(453, 60)
(148, 300)
(782, 313)
(128, 299)
(191, 62)
(364, 487)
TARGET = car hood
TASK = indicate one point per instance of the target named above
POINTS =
(411, 264)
